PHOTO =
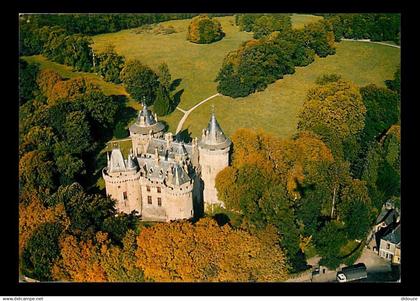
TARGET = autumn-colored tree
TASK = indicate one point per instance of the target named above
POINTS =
(79, 260)
(33, 214)
(70, 89)
(46, 80)
(204, 251)
(204, 30)
(337, 106)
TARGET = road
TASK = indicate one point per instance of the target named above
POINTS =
(369, 41)
(186, 113)
(378, 270)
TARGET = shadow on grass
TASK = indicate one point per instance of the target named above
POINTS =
(176, 99)
(175, 83)
(184, 136)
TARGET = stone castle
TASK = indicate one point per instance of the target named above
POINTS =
(164, 179)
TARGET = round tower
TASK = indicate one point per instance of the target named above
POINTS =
(214, 149)
(179, 194)
(122, 181)
(145, 127)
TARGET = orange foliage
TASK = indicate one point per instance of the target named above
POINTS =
(70, 89)
(34, 214)
(203, 251)
(80, 261)
(46, 80)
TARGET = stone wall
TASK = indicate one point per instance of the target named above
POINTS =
(212, 162)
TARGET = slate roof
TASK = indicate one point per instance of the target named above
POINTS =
(169, 152)
(213, 136)
(145, 123)
(116, 162)
(393, 236)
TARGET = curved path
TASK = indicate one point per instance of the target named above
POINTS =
(186, 113)
(369, 41)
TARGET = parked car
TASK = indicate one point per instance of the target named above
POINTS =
(352, 273)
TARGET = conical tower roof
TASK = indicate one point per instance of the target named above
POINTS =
(116, 161)
(213, 136)
(145, 123)
(180, 176)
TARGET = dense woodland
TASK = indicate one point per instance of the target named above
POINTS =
(262, 61)
(316, 191)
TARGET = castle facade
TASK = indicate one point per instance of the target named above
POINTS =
(164, 179)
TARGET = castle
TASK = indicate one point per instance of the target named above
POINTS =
(164, 179)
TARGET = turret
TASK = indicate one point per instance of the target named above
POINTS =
(145, 127)
(214, 149)
(122, 181)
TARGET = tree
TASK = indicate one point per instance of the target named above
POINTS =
(70, 89)
(203, 251)
(320, 37)
(162, 105)
(383, 110)
(395, 84)
(77, 129)
(46, 80)
(264, 25)
(27, 80)
(102, 109)
(69, 167)
(204, 30)
(328, 242)
(164, 76)
(110, 64)
(36, 171)
(140, 81)
(40, 252)
(335, 111)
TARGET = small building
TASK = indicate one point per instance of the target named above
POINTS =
(390, 245)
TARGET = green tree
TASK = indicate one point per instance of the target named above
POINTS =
(77, 129)
(383, 110)
(395, 84)
(164, 76)
(163, 103)
(69, 167)
(109, 64)
(28, 86)
(140, 81)
(101, 108)
(40, 252)
(328, 242)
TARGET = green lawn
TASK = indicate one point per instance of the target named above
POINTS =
(300, 20)
(196, 65)
(276, 108)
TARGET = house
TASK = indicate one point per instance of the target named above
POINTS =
(390, 245)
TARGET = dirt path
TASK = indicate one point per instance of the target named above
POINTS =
(186, 113)
(369, 41)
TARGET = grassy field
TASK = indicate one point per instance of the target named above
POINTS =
(196, 65)
(276, 108)
(299, 20)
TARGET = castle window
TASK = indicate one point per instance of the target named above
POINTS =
(158, 190)
(148, 188)
(149, 199)
(125, 195)
(159, 202)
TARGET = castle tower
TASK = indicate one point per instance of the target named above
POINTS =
(214, 149)
(145, 127)
(178, 192)
(122, 181)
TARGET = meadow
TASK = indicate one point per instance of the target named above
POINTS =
(196, 66)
